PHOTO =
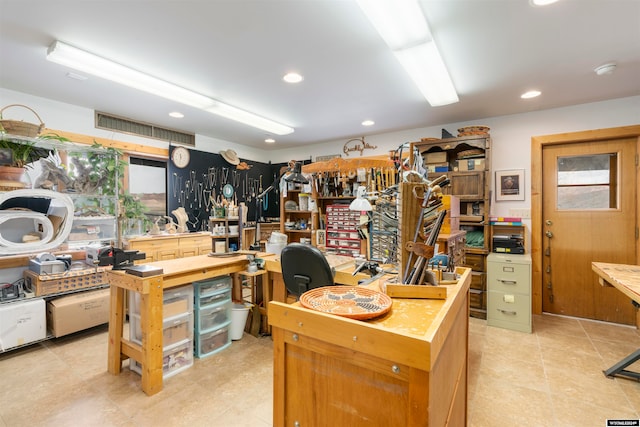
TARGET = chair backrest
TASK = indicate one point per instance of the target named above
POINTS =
(304, 267)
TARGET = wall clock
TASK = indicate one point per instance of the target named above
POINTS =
(180, 157)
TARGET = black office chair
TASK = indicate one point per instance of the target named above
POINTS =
(304, 267)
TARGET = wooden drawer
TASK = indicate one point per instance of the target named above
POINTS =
(511, 311)
(193, 241)
(477, 299)
(474, 261)
(467, 185)
(478, 281)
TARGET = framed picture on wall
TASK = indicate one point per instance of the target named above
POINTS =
(509, 185)
(321, 237)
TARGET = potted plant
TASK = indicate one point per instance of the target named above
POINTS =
(16, 155)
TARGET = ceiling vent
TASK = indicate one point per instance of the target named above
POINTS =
(147, 130)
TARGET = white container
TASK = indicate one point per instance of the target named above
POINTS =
(233, 229)
(274, 248)
(239, 315)
(22, 323)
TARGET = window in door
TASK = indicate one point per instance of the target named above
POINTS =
(588, 182)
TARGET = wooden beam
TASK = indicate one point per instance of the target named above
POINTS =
(128, 147)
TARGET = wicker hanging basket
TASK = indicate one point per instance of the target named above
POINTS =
(20, 128)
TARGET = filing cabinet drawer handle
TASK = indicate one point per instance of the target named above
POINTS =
(508, 282)
(513, 313)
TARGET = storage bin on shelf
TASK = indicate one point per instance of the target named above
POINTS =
(212, 315)
(71, 280)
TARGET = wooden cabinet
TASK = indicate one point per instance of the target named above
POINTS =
(165, 247)
(453, 245)
(227, 231)
(509, 289)
(466, 161)
(407, 368)
(295, 222)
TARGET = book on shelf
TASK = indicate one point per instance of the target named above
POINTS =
(512, 223)
(505, 219)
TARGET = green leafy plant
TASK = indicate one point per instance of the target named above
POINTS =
(26, 151)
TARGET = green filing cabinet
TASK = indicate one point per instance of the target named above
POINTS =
(509, 291)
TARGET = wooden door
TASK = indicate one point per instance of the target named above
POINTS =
(588, 214)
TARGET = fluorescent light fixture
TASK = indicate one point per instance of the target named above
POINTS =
(426, 68)
(270, 141)
(69, 56)
(402, 25)
(176, 114)
(368, 123)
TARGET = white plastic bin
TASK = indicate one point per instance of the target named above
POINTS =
(239, 315)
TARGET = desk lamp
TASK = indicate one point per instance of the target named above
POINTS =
(360, 203)
(293, 173)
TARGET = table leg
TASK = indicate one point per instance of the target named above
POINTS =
(618, 368)
(116, 322)
(151, 324)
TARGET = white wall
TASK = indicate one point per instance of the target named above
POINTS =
(70, 118)
(511, 135)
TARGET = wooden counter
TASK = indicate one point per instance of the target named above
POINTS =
(407, 368)
(176, 272)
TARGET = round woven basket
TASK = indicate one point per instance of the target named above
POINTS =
(20, 128)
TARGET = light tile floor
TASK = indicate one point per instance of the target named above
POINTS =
(552, 377)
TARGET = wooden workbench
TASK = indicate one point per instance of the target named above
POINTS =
(176, 272)
(343, 265)
(626, 279)
(406, 368)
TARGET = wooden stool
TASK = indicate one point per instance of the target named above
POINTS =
(255, 279)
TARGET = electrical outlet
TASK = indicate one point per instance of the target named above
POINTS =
(521, 213)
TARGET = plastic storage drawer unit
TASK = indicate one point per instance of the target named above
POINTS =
(174, 329)
(176, 301)
(213, 316)
(209, 343)
(175, 358)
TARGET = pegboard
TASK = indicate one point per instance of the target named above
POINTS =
(206, 174)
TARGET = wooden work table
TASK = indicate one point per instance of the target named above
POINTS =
(408, 367)
(176, 272)
(626, 279)
(343, 265)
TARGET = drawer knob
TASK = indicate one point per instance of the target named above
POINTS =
(510, 312)
(508, 282)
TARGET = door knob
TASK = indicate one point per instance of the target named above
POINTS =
(548, 234)
(548, 222)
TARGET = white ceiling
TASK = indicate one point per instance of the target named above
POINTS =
(238, 50)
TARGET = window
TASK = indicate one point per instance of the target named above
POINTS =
(148, 182)
(588, 182)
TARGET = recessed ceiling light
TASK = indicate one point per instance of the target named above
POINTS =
(530, 94)
(605, 69)
(292, 78)
(368, 123)
(176, 114)
(269, 140)
(541, 2)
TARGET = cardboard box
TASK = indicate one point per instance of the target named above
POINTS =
(450, 225)
(22, 323)
(77, 312)
(437, 157)
(471, 165)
